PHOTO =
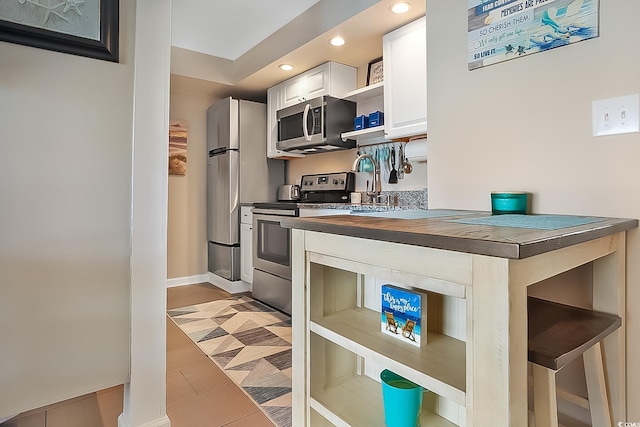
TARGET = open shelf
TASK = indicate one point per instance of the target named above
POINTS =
(367, 136)
(438, 366)
(365, 93)
(358, 402)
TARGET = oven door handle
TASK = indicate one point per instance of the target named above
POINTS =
(276, 212)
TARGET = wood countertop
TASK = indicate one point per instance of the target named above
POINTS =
(464, 231)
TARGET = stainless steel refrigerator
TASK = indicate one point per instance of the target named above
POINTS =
(238, 171)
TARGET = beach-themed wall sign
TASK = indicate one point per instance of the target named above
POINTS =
(506, 29)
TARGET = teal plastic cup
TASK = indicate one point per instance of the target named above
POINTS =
(402, 400)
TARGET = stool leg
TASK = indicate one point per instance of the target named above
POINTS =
(545, 406)
(596, 387)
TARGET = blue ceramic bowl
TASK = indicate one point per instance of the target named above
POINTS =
(509, 202)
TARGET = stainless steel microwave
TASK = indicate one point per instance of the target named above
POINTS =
(315, 126)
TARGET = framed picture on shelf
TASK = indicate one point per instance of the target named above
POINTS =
(375, 72)
(404, 315)
(79, 27)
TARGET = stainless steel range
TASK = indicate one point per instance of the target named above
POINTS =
(272, 243)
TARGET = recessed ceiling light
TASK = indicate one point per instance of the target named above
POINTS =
(286, 67)
(337, 41)
(400, 7)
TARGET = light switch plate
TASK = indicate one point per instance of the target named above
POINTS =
(616, 115)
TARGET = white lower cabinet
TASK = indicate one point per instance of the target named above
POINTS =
(346, 350)
(246, 253)
(246, 244)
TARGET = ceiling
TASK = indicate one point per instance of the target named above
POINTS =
(233, 48)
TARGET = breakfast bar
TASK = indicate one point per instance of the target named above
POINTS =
(485, 260)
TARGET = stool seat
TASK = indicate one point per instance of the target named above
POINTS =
(559, 333)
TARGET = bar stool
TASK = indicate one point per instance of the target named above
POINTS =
(558, 334)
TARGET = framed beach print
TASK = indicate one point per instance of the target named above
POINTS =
(178, 130)
(79, 27)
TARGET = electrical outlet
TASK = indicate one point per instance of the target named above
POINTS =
(616, 115)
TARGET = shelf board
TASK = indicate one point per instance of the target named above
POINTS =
(438, 366)
(365, 93)
(366, 136)
(358, 402)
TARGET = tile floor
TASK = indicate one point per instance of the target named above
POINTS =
(250, 342)
(199, 394)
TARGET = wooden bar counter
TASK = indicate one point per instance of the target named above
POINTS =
(488, 261)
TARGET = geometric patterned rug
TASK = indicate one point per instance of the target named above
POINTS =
(251, 343)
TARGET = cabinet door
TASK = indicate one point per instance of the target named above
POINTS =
(318, 82)
(246, 253)
(294, 91)
(405, 80)
(273, 105)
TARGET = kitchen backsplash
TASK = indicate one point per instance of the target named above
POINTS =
(342, 161)
(409, 199)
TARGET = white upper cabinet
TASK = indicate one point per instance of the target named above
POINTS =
(294, 91)
(274, 103)
(405, 80)
(329, 78)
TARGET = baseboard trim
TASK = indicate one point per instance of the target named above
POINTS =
(227, 285)
(160, 422)
(188, 280)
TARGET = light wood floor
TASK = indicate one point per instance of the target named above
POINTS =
(199, 394)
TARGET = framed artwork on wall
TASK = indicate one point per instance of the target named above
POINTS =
(79, 27)
(375, 72)
(501, 30)
(177, 147)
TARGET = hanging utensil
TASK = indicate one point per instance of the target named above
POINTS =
(408, 167)
(393, 175)
(384, 162)
(401, 161)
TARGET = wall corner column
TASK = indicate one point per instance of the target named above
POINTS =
(145, 394)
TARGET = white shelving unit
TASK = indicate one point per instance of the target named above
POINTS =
(366, 136)
(368, 99)
(426, 366)
(365, 93)
(346, 347)
(350, 404)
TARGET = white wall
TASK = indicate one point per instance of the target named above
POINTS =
(65, 188)
(525, 124)
(187, 230)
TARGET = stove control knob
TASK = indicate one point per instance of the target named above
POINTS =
(335, 181)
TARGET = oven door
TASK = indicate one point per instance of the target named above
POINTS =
(271, 245)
